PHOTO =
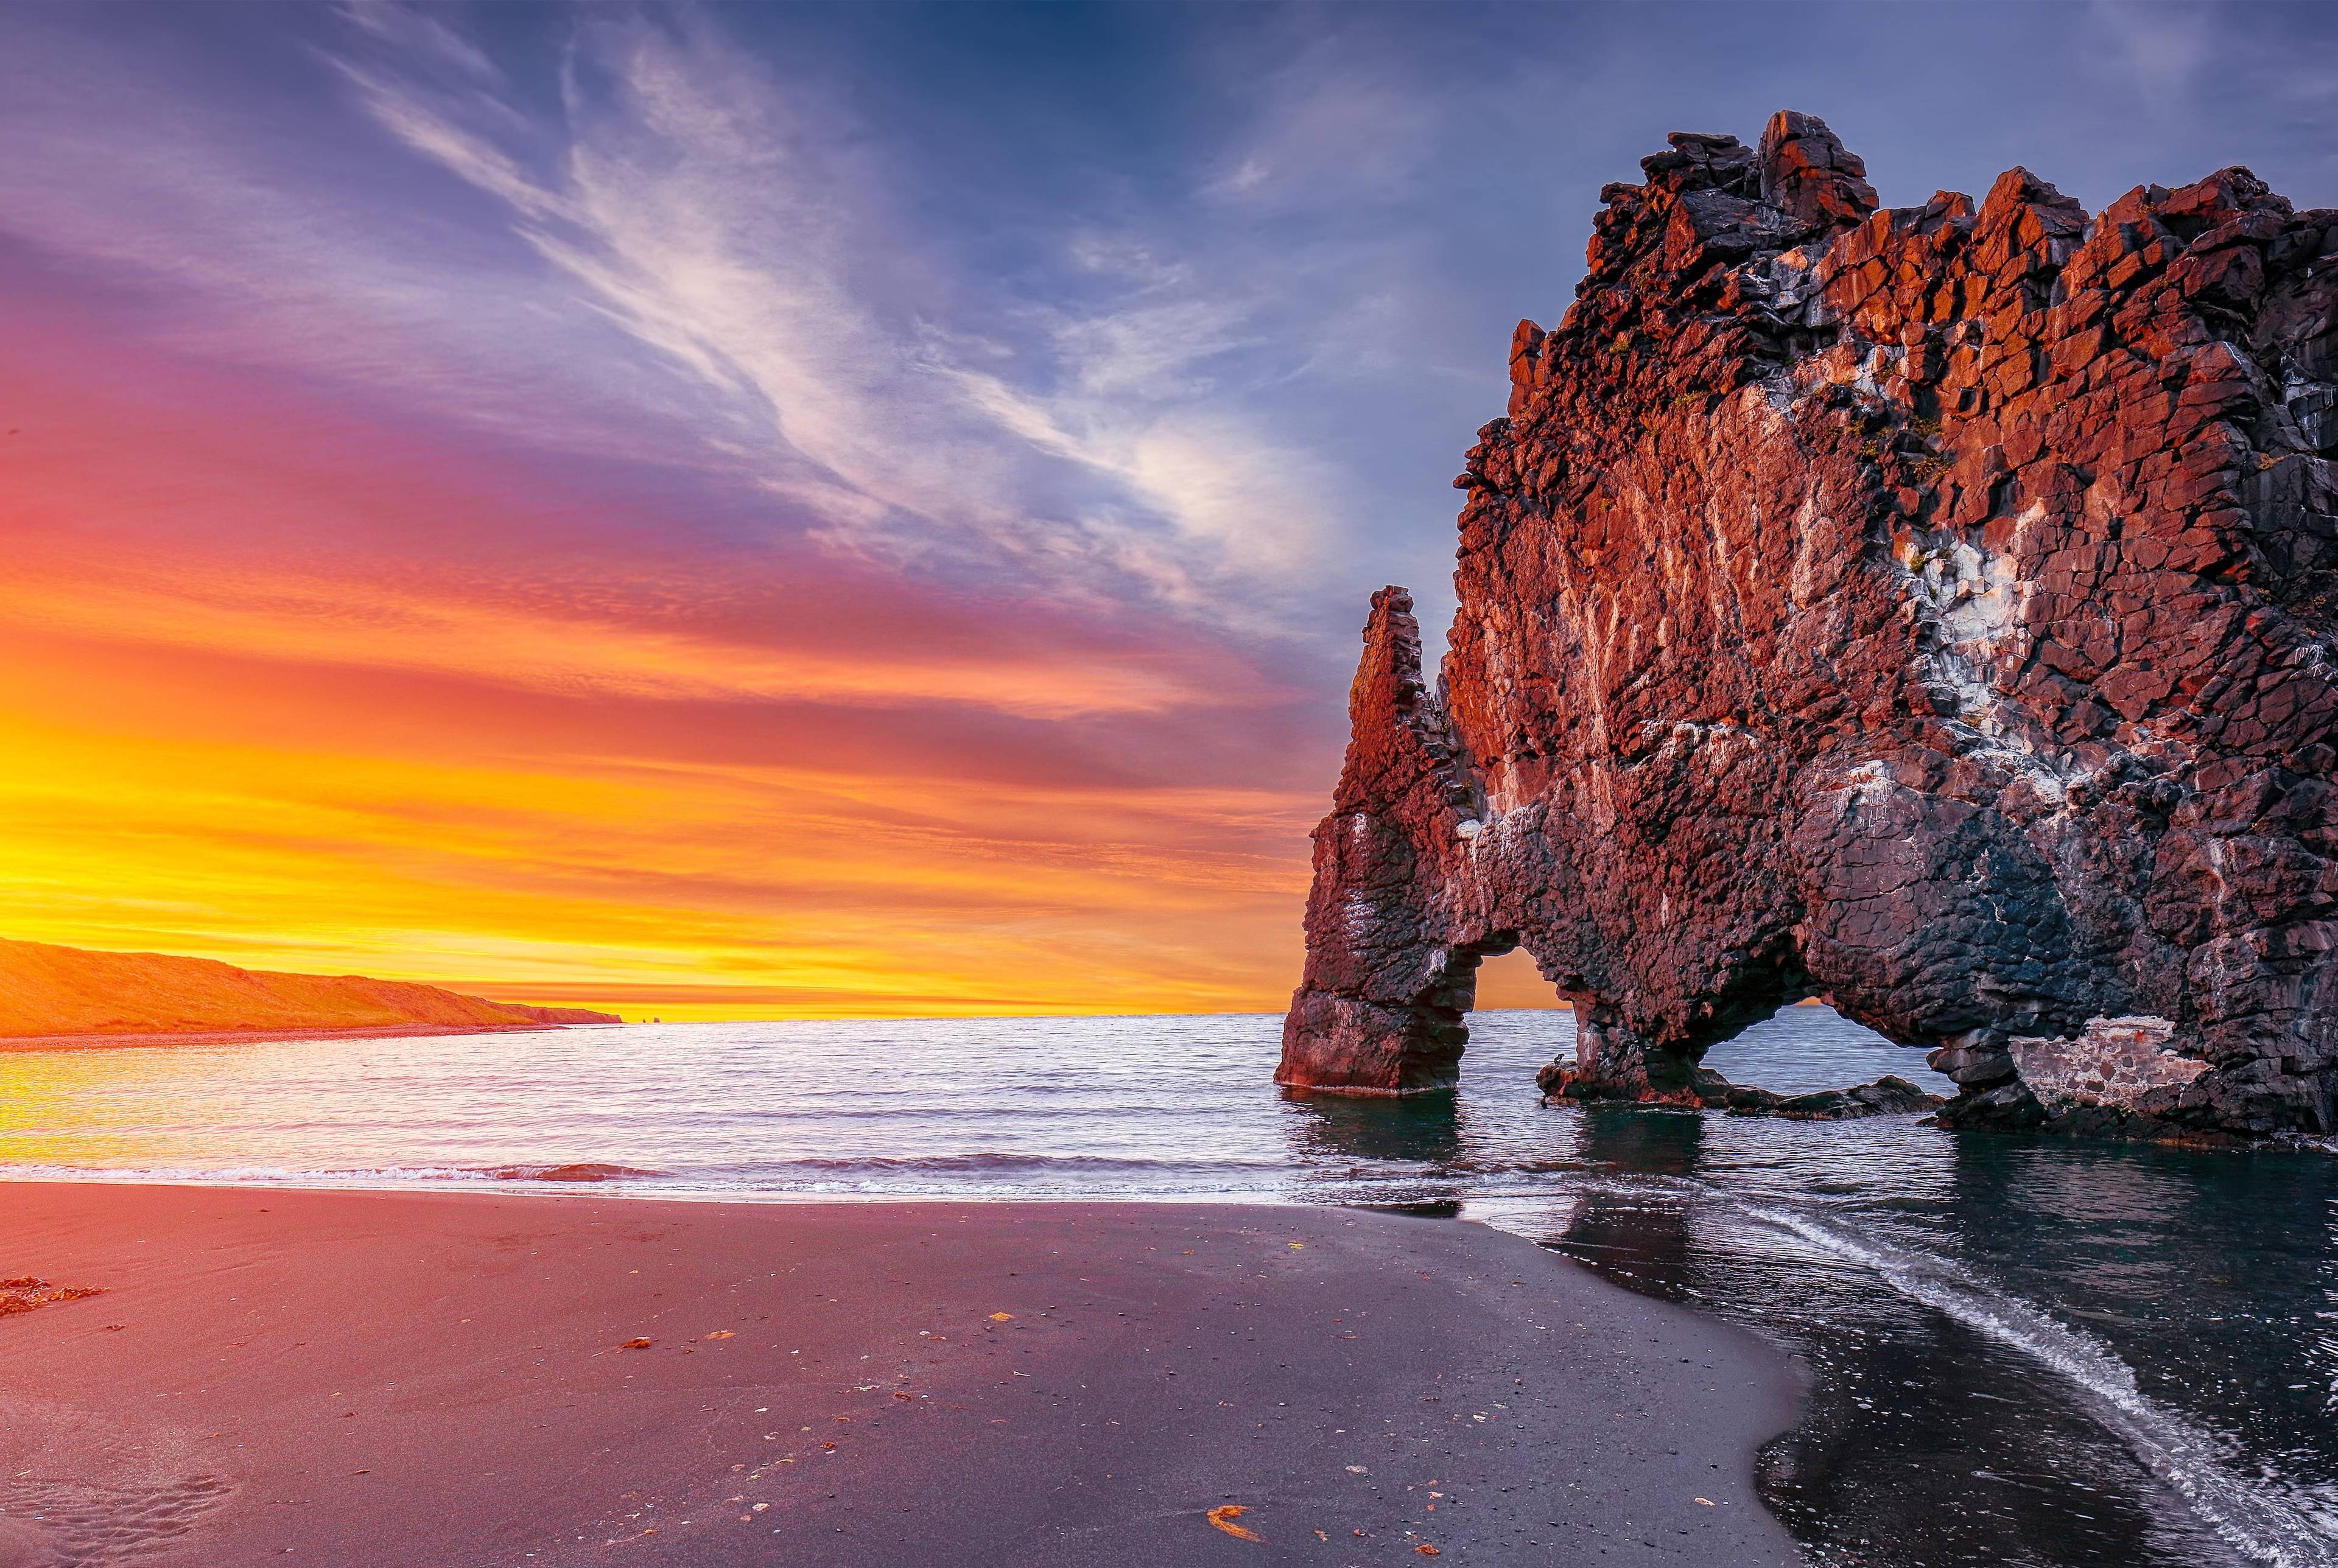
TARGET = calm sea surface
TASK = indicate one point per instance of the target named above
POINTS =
(2023, 1350)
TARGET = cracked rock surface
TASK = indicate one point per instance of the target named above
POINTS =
(1929, 608)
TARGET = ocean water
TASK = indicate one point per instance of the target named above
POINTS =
(2022, 1349)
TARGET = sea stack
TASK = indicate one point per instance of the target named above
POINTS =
(1929, 608)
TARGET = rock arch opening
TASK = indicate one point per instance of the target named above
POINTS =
(1758, 1020)
(1808, 1045)
(1802, 1060)
(1510, 981)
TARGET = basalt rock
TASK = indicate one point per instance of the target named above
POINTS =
(1889, 1095)
(1930, 608)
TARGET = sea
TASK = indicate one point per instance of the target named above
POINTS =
(2020, 1348)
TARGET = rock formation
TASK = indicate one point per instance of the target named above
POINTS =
(1930, 609)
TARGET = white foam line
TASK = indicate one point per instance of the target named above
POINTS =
(2262, 1527)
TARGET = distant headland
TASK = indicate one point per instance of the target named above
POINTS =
(72, 994)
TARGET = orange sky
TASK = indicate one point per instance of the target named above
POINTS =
(347, 764)
(271, 692)
(247, 716)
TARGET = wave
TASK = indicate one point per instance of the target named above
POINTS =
(579, 1171)
(989, 1162)
(245, 1175)
(2259, 1525)
(767, 1177)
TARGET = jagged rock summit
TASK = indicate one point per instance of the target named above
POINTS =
(1930, 609)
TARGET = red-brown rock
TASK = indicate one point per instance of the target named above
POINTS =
(1931, 608)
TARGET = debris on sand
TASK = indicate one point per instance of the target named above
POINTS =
(25, 1293)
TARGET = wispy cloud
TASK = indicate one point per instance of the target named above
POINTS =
(1341, 119)
(282, 617)
(418, 32)
(2163, 49)
(744, 228)
(223, 239)
(706, 261)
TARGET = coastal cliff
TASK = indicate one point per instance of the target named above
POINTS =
(47, 990)
(1930, 609)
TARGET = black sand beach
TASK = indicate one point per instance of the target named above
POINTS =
(374, 1379)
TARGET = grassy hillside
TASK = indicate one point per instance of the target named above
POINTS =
(46, 990)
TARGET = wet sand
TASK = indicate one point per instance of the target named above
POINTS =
(442, 1379)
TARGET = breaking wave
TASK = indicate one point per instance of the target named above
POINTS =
(2258, 1526)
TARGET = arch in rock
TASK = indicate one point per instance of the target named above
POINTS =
(1932, 607)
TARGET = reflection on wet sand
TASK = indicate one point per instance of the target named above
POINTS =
(1639, 1229)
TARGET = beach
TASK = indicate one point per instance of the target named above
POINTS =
(2114, 1329)
(276, 1375)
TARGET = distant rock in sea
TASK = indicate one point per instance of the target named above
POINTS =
(1934, 609)
(47, 990)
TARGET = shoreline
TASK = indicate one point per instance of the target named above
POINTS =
(349, 1377)
(104, 1042)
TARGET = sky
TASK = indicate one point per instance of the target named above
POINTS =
(837, 510)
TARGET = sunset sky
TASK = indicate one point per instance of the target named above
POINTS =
(843, 511)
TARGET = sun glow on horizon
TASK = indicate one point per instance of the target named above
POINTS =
(698, 890)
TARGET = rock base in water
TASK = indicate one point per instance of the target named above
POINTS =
(1889, 1095)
